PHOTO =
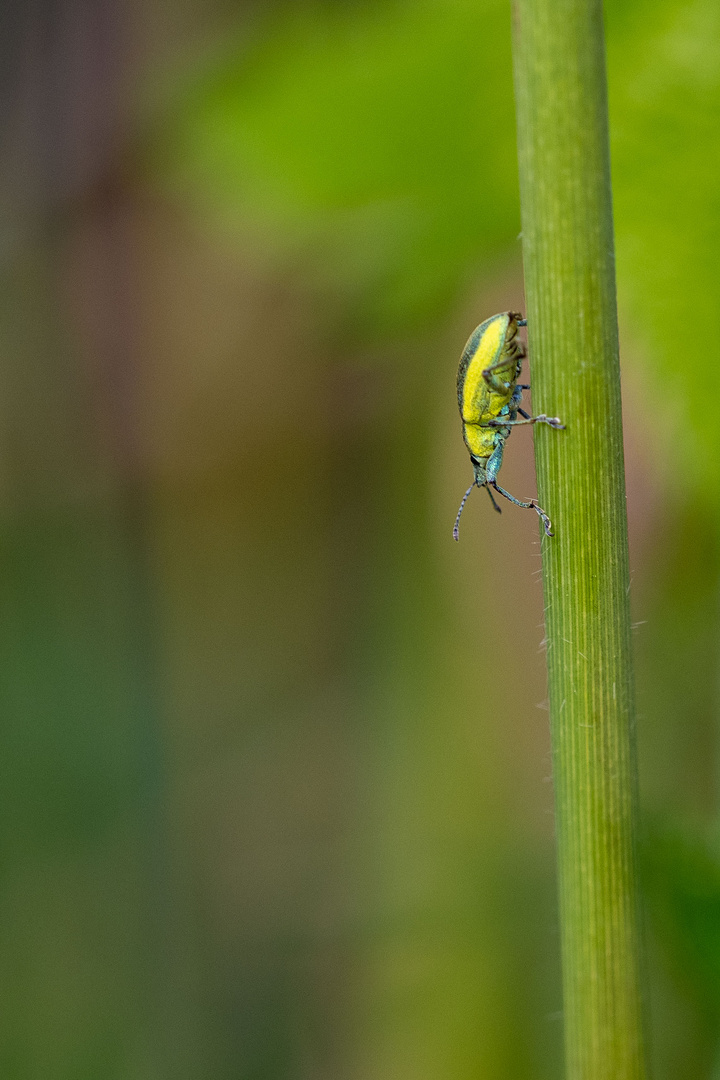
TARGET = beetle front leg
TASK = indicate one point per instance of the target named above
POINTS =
(492, 500)
(529, 505)
(494, 463)
(493, 468)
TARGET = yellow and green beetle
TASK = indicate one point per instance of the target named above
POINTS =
(489, 397)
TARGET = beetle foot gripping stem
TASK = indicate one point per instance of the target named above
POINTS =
(547, 523)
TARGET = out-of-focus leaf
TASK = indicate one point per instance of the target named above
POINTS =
(379, 137)
(664, 76)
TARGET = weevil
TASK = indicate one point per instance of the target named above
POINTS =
(489, 397)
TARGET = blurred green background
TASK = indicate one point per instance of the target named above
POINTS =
(275, 797)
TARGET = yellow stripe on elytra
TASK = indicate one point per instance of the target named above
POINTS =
(480, 441)
(475, 390)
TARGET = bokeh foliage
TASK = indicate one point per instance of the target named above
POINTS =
(379, 135)
(275, 798)
(375, 144)
(382, 138)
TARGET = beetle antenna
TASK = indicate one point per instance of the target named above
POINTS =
(456, 526)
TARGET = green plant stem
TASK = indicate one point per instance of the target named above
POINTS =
(572, 324)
